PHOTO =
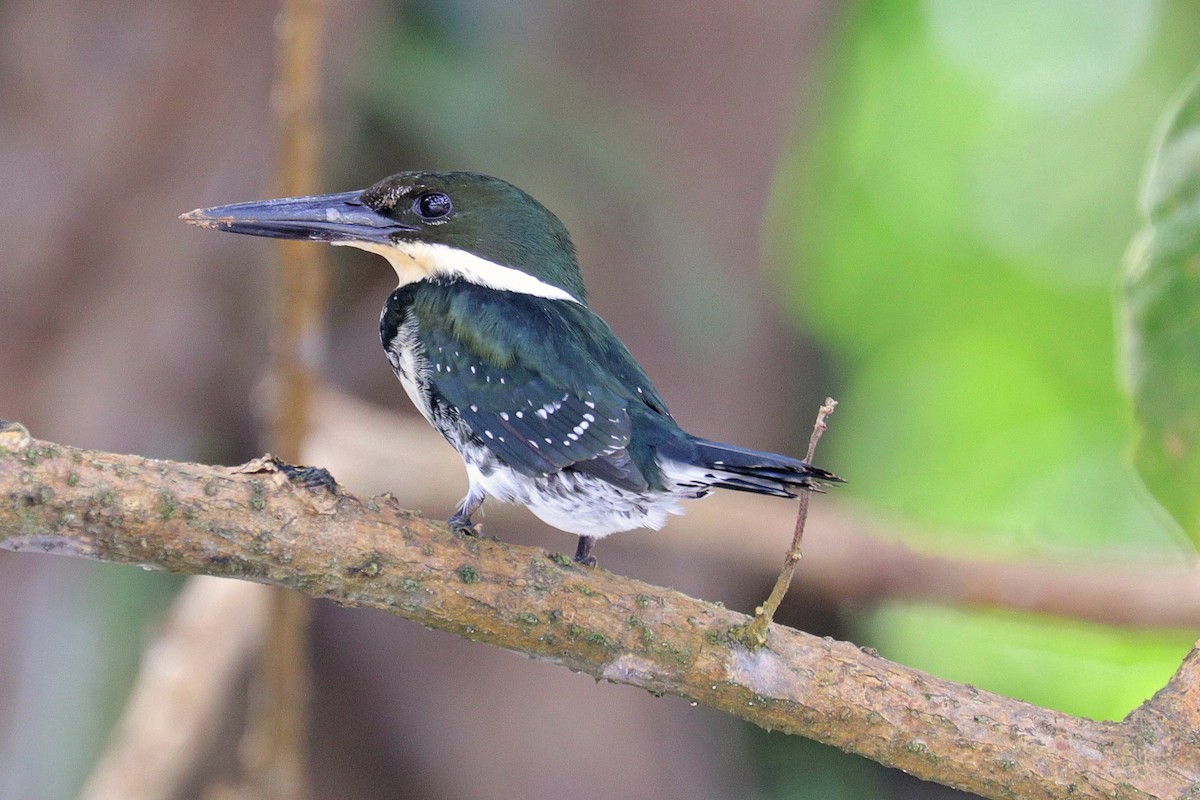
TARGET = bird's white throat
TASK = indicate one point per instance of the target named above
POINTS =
(415, 261)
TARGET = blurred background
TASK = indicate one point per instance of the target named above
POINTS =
(919, 208)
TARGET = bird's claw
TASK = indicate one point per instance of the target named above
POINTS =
(309, 477)
(461, 523)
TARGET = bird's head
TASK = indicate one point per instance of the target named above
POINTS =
(428, 225)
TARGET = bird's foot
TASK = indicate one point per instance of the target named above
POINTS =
(309, 477)
(583, 553)
(461, 523)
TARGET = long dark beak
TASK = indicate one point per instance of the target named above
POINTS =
(322, 218)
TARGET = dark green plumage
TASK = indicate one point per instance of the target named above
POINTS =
(527, 354)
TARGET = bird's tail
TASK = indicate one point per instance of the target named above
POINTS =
(729, 467)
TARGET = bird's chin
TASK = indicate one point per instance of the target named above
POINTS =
(409, 261)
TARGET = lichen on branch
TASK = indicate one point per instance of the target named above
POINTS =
(255, 522)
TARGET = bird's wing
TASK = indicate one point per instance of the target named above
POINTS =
(546, 384)
(534, 424)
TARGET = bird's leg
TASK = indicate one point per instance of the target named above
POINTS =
(583, 553)
(461, 521)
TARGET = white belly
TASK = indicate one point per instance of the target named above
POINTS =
(575, 502)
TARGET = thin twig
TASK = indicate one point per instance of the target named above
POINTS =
(273, 751)
(756, 632)
(302, 275)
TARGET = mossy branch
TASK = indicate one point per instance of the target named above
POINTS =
(257, 523)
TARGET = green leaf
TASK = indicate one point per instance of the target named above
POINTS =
(1161, 315)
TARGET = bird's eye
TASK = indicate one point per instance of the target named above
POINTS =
(432, 205)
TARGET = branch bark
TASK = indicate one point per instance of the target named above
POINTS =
(253, 522)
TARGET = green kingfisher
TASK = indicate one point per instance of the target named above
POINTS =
(491, 335)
